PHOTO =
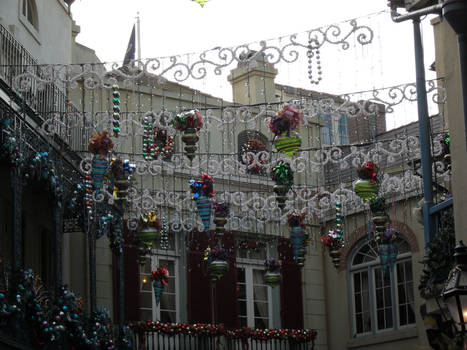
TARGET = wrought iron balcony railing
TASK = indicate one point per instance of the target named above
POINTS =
(162, 336)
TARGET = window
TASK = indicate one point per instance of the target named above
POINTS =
(168, 309)
(326, 130)
(253, 295)
(29, 11)
(381, 301)
(342, 129)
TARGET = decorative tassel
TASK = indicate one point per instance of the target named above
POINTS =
(204, 205)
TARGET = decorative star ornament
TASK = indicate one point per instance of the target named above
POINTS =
(201, 2)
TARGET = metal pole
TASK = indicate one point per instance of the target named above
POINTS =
(424, 131)
(15, 176)
(58, 218)
(121, 290)
(92, 266)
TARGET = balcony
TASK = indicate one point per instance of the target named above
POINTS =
(162, 336)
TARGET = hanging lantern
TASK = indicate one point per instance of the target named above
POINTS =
(283, 175)
(282, 125)
(190, 123)
(100, 146)
(272, 276)
(149, 229)
(221, 210)
(217, 262)
(367, 186)
(160, 278)
(203, 191)
(297, 235)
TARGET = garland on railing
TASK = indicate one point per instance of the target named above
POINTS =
(213, 330)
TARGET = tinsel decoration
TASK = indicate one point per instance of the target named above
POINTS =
(366, 186)
(297, 235)
(216, 259)
(116, 110)
(282, 126)
(388, 249)
(148, 139)
(272, 276)
(221, 211)
(160, 278)
(9, 150)
(88, 198)
(283, 176)
(165, 234)
(149, 228)
(190, 123)
(121, 172)
(115, 234)
(253, 146)
(202, 191)
(100, 146)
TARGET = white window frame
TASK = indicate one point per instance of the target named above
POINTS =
(370, 267)
(249, 265)
(33, 30)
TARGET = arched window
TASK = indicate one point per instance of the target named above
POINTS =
(29, 11)
(380, 301)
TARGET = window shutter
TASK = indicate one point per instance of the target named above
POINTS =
(199, 287)
(291, 288)
(131, 278)
(226, 288)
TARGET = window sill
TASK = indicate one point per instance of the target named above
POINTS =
(383, 338)
(30, 28)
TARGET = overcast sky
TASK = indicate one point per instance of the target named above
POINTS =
(171, 27)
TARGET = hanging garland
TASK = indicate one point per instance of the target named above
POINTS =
(163, 143)
(212, 330)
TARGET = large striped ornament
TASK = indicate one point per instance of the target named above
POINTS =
(158, 290)
(383, 255)
(99, 168)
(366, 189)
(204, 205)
(288, 144)
(297, 239)
(392, 254)
(217, 269)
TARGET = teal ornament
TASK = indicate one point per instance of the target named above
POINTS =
(297, 240)
(99, 166)
(158, 290)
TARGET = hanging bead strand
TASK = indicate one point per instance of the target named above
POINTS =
(116, 110)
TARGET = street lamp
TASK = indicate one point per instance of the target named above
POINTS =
(455, 289)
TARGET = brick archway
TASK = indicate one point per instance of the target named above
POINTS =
(361, 232)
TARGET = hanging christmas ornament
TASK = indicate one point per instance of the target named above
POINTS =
(120, 172)
(202, 192)
(253, 146)
(100, 146)
(282, 125)
(201, 2)
(333, 240)
(160, 278)
(283, 176)
(313, 52)
(148, 138)
(221, 211)
(272, 276)
(366, 186)
(216, 259)
(149, 228)
(297, 235)
(165, 234)
(116, 110)
(379, 217)
(190, 123)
